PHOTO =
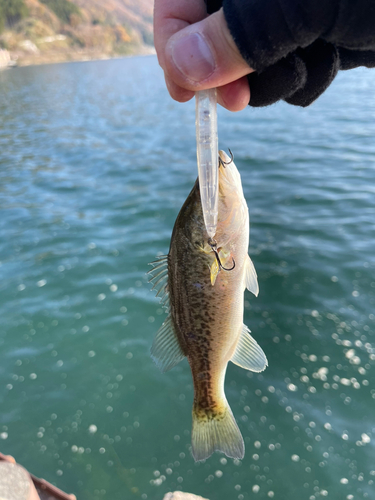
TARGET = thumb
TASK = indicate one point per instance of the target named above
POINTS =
(204, 55)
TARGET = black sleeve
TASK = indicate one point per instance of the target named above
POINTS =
(268, 30)
(298, 46)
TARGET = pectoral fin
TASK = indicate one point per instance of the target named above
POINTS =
(166, 351)
(251, 280)
(215, 269)
(249, 355)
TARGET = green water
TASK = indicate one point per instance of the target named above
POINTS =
(95, 162)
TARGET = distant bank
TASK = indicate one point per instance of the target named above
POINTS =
(35, 57)
(52, 31)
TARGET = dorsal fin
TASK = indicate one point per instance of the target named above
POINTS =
(159, 279)
(249, 355)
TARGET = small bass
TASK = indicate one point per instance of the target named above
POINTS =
(201, 283)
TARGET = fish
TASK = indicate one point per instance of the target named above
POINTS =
(201, 284)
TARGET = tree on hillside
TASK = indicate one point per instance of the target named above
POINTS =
(11, 11)
(63, 9)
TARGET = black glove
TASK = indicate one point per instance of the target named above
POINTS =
(304, 75)
(312, 62)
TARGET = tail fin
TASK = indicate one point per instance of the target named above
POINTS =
(216, 431)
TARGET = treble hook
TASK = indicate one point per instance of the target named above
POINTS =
(213, 246)
(223, 163)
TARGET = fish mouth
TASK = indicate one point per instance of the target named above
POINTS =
(229, 176)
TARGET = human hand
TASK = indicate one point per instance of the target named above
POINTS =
(197, 52)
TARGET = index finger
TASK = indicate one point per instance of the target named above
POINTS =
(171, 17)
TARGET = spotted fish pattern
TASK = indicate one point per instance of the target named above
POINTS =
(205, 305)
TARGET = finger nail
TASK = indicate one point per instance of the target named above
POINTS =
(193, 57)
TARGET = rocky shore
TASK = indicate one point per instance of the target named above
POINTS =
(30, 55)
(36, 57)
(5, 59)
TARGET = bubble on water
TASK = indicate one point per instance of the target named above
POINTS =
(344, 480)
(3, 435)
(33, 376)
(295, 458)
(355, 293)
(41, 283)
(271, 494)
(101, 296)
(345, 381)
(91, 246)
(345, 436)
(101, 450)
(123, 309)
(256, 488)
(327, 426)
(257, 444)
(219, 473)
(334, 279)
(21, 287)
(314, 313)
(92, 429)
(292, 387)
(85, 328)
(113, 288)
(365, 438)
(91, 354)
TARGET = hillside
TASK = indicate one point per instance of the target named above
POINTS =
(41, 31)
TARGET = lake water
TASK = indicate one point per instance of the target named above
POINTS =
(95, 162)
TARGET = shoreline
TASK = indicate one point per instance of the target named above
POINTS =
(23, 59)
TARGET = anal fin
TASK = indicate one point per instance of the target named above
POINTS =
(249, 355)
(166, 350)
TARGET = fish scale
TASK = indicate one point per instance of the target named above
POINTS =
(205, 302)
